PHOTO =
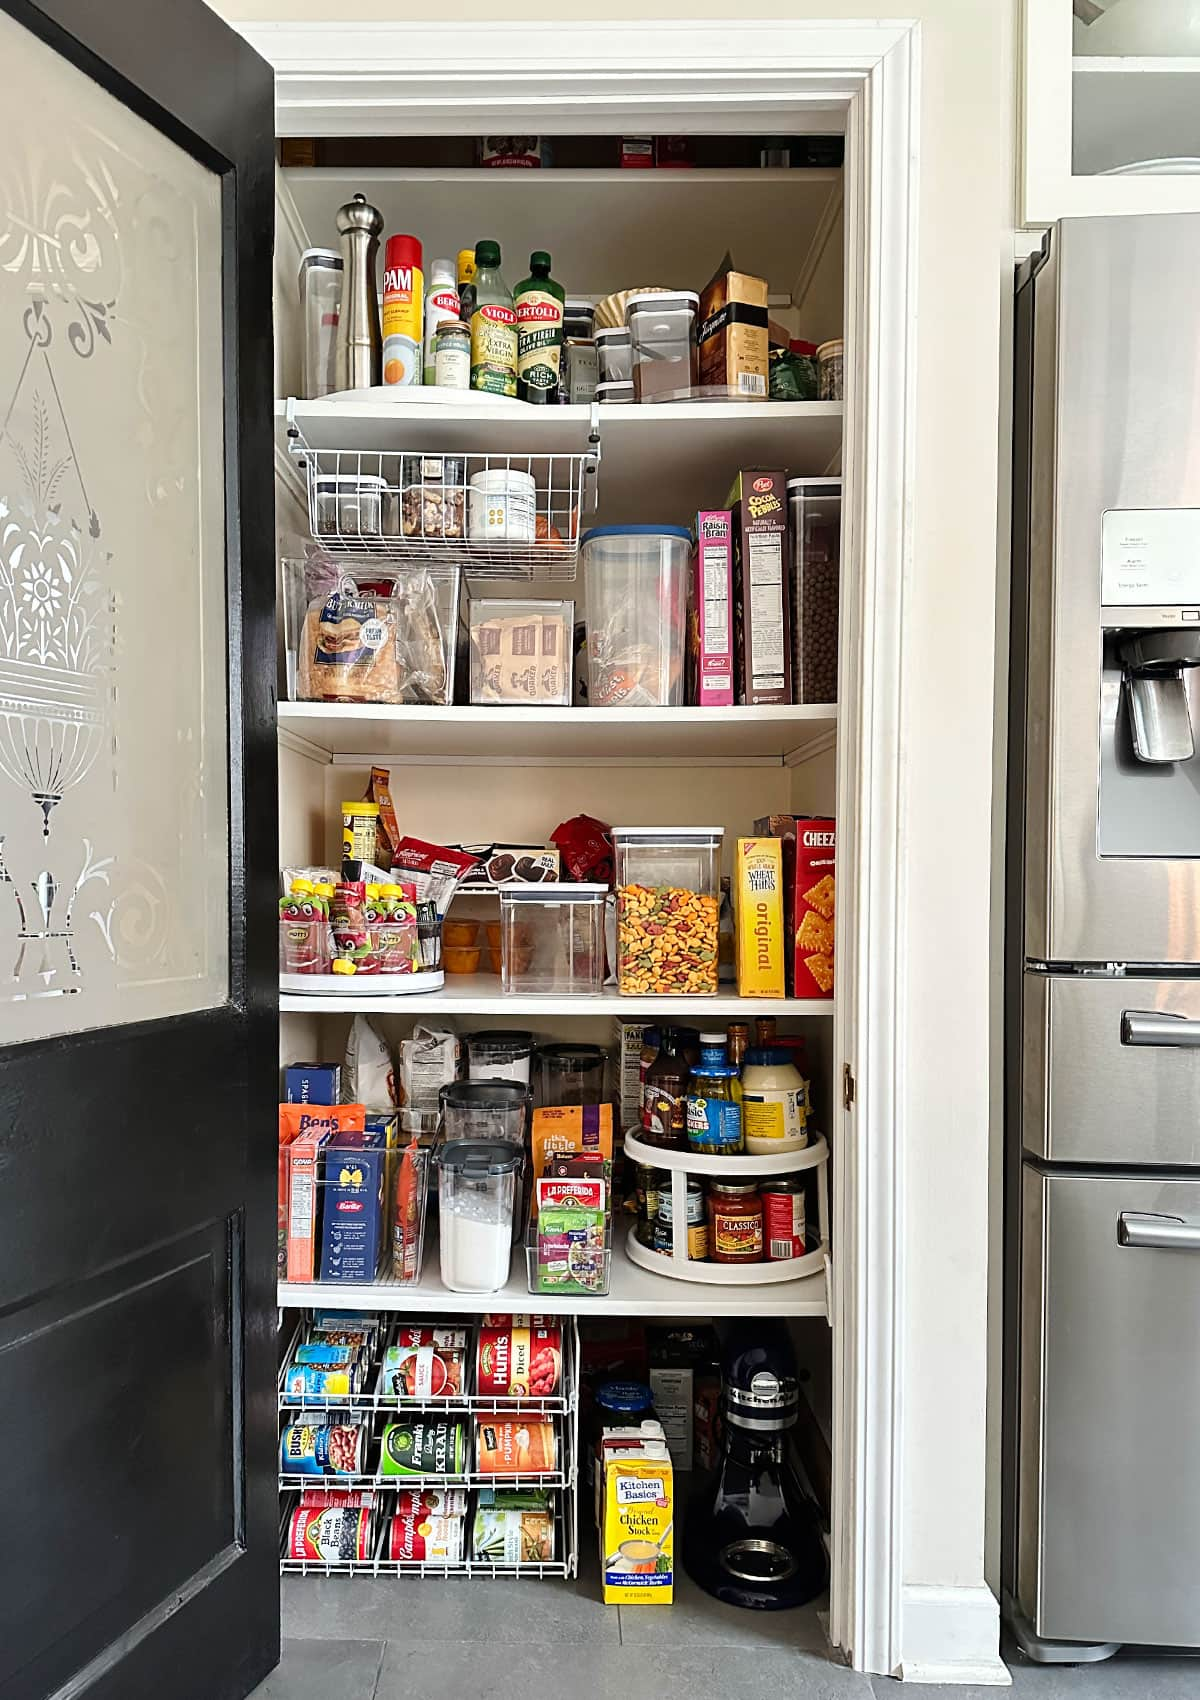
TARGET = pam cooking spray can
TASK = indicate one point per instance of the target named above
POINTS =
(403, 308)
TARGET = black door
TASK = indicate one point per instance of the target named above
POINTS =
(138, 1041)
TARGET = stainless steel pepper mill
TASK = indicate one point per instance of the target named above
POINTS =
(359, 342)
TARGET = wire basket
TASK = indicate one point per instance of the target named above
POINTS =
(510, 516)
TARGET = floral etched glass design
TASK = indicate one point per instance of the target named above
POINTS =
(114, 834)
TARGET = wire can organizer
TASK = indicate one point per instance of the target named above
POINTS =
(509, 516)
(564, 1564)
(680, 1164)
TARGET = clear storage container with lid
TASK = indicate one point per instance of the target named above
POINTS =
(350, 506)
(496, 1054)
(815, 521)
(552, 939)
(665, 359)
(571, 1074)
(320, 304)
(615, 348)
(476, 1194)
(636, 579)
(485, 1109)
(668, 900)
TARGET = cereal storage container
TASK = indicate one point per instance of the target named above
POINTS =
(496, 1054)
(665, 360)
(637, 590)
(485, 1109)
(552, 939)
(815, 518)
(668, 898)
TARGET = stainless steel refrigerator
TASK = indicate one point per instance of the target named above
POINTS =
(1102, 1332)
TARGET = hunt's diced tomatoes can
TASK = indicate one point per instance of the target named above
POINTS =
(519, 1362)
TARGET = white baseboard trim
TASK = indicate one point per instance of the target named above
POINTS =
(950, 1635)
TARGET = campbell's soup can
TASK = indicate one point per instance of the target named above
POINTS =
(783, 1217)
(519, 1361)
(428, 1539)
(431, 1502)
(332, 1534)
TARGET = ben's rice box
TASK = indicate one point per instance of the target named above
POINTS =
(637, 1538)
(759, 918)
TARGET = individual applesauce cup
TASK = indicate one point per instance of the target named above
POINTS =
(668, 905)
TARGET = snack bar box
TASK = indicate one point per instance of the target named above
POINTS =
(761, 587)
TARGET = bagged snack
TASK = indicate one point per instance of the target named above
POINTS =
(560, 1128)
(387, 830)
(434, 869)
(422, 652)
(348, 650)
(585, 845)
(431, 1059)
(367, 1076)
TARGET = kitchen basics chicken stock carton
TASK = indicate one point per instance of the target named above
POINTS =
(637, 1536)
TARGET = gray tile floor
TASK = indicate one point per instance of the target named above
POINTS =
(387, 1640)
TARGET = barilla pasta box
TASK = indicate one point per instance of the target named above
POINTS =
(637, 1535)
(758, 918)
(304, 1131)
(352, 1207)
(710, 615)
(813, 906)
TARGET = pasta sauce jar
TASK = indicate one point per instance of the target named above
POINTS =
(735, 1216)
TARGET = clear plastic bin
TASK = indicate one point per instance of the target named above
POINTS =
(572, 1074)
(320, 305)
(417, 613)
(815, 515)
(552, 939)
(637, 593)
(522, 651)
(665, 358)
(476, 1194)
(668, 902)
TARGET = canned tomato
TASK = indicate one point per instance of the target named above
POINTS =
(783, 1217)
(509, 1446)
(421, 1537)
(423, 1448)
(333, 1534)
(519, 1362)
(431, 1502)
(326, 1449)
(424, 1371)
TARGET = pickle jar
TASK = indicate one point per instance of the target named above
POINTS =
(668, 903)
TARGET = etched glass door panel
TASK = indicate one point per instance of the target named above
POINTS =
(114, 833)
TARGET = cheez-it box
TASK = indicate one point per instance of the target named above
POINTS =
(813, 906)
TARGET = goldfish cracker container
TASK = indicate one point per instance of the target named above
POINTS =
(668, 902)
(637, 1553)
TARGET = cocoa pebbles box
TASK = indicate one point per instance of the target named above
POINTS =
(761, 587)
(813, 907)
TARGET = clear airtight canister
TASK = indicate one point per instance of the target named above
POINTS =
(774, 1103)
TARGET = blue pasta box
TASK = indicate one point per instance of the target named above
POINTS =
(312, 1083)
(352, 1207)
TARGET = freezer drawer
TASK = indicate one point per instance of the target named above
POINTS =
(1109, 1475)
(1110, 1070)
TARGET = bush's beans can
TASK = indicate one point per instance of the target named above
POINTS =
(783, 1217)
(325, 1449)
(519, 1361)
(334, 1534)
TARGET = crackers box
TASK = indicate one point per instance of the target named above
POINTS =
(733, 337)
(762, 613)
(814, 903)
(710, 612)
(758, 872)
(637, 1536)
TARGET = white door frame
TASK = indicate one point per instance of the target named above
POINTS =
(347, 78)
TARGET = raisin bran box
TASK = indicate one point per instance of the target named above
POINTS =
(762, 614)
(710, 611)
(813, 910)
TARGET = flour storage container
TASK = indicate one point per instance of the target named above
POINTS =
(552, 939)
(668, 901)
(636, 579)
(476, 1194)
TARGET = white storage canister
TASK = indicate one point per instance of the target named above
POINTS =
(503, 505)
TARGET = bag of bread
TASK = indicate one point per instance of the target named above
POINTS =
(348, 650)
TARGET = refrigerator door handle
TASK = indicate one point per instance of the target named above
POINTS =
(1157, 1233)
(1158, 1027)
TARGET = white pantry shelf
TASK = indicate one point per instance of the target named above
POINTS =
(776, 733)
(480, 994)
(658, 462)
(633, 1292)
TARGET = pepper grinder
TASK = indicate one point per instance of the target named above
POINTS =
(359, 342)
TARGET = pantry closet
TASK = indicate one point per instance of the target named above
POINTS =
(459, 773)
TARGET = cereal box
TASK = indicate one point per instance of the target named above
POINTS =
(710, 615)
(759, 918)
(762, 614)
(637, 1546)
(812, 939)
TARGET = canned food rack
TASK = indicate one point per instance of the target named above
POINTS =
(376, 1408)
(498, 516)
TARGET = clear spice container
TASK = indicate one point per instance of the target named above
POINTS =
(668, 899)
(349, 505)
(433, 498)
(815, 520)
(552, 939)
(665, 359)
(829, 370)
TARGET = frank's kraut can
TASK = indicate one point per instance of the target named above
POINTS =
(334, 1534)
(783, 1217)
(519, 1360)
